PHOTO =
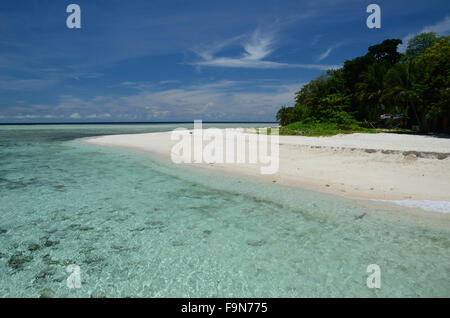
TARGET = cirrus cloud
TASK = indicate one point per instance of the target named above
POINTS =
(257, 47)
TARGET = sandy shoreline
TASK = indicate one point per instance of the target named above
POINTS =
(369, 166)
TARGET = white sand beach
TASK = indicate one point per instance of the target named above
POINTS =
(405, 168)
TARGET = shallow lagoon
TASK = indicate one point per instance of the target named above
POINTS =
(138, 226)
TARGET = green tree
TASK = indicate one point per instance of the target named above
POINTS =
(287, 115)
(399, 93)
(417, 84)
(333, 108)
(433, 81)
(370, 90)
(311, 93)
(418, 44)
(386, 51)
(353, 69)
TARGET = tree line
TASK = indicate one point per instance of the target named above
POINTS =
(414, 85)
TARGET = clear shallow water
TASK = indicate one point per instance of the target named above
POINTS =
(435, 206)
(137, 226)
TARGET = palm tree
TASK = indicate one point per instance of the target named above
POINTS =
(370, 90)
(400, 93)
(285, 115)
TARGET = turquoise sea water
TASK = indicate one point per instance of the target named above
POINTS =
(141, 227)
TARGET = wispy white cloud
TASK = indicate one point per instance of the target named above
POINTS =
(75, 116)
(168, 82)
(208, 52)
(325, 54)
(257, 47)
(99, 116)
(208, 101)
(441, 27)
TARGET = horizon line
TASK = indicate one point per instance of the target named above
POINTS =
(137, 122)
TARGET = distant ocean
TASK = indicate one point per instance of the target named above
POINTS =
(138, 226)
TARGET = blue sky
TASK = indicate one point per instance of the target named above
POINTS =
(184, 60)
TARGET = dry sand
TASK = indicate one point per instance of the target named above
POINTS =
(371, 166)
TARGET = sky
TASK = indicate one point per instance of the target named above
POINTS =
(158, 61)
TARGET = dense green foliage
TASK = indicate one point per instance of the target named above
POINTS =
(313, 128)
(321, 129)
(415, 84)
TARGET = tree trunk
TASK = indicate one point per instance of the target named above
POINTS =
(416, 115)
(424, 124)
(434, 124)
(445, 127)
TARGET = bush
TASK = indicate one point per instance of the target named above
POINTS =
(314, 128)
